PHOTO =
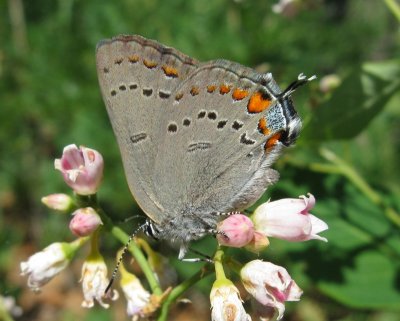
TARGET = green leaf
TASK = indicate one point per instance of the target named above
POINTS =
(369, 283)
(360, 97)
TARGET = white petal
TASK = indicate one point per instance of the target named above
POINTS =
(318, 226)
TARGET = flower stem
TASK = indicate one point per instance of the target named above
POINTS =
(219, 268)
(140, 259)
(120, 235)
(4, 315)
(181, 288)
(351, 174)
(394, 8)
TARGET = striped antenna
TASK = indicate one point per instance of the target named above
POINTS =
(124, 250)
(301, 80)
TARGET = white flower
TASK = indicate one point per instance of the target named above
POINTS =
(226, 304)
(94, 283)
(8, 305)
(270, 284)
(43, 266)
(137, 297)
(289, 219)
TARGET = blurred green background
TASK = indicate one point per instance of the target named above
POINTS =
(348, 154)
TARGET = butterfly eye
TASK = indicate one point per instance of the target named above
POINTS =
(150, 230)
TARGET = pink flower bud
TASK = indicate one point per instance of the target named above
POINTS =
(236, 231)
(289, 219)
(84, 222)
(82, 169)
(58, 202)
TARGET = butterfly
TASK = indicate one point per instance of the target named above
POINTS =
(197, 139)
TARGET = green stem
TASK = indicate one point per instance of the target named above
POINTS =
(4, 315)
(394, 8)
(140, 259)
(180, 289)
(350, 173)
(219, 268)
(120, 235)
(86, 200)
(94, 245)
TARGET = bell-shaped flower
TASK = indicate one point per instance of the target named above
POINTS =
(236, 230)
(42, 266)
(289, 219)
(270, 284)
(84, 221)
(82, 169)
(58, 202)
(226, 303)
(94, 283)
(136, 295)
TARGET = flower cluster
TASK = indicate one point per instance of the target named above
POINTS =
(82, 170)
(269, 285)
(288, 219)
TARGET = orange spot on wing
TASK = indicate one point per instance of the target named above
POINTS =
(133, 59)
(149, 64)
(224, 89)
(178, 96)
(194, 91)
(262, 126)
(170, 71)
(258, 103)
(271, 142)
(211, 88)
(239, 94)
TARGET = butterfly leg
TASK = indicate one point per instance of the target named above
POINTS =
(203, 258)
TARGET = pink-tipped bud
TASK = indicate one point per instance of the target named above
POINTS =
(82, 169)
(236, 231)
(84, 222)
(58, 202)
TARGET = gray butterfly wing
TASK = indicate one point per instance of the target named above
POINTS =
(136, 78)
(224, 127)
